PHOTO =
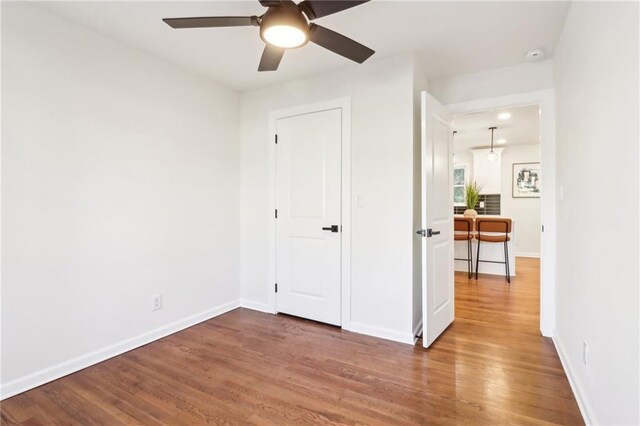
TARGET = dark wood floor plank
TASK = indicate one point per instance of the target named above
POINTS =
(490, 367)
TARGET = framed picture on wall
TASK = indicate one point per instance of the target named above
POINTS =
(526, 180)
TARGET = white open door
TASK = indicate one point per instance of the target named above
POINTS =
(437, 219)
(308, 224)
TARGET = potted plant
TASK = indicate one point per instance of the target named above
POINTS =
(472, 196)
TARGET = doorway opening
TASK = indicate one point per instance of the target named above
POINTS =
(544, 100)
(496, 201)
(541, 101)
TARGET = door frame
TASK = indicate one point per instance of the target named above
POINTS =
(545, 99)
(344, 104)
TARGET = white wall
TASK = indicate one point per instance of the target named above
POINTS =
(487, 174)
(525, 77)
(381, 94)
(524, 211)
(120, 180)
(596, 72)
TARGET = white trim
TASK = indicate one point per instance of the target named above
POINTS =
(546, 100)
(583, 403)
(256, 306)
(531, 255)
(344, 104)
(65, 368)
(417, 331)
(383, 333)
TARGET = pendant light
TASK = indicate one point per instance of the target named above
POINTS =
(492, 156)
(455, 160)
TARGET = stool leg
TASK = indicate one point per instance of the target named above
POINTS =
(506, 261)
(477, 259)
(469, 259)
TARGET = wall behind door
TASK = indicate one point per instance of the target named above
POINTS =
(382, 173)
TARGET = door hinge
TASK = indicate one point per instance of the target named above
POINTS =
(276, 213)
(276, 139)
(276, 287)
(542, 228)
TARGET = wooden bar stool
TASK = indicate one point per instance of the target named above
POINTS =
(499, 229)
(463, 228)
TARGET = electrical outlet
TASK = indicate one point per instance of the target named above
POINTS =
(156, 302)
(585, 349)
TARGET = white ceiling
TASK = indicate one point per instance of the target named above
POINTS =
(521, 129)
(450, 38)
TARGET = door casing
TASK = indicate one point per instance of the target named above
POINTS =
(344, 104)
(545, 99)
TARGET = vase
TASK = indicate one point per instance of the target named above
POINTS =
(471, 213)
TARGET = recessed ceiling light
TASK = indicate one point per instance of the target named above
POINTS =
(532, 55)
(501, 141)
(504, 116)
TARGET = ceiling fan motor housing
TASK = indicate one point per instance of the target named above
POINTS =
(288, 15)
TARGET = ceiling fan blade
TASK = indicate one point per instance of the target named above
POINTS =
(271, 57)
(318, 8)
(213, 21)
(339, 44)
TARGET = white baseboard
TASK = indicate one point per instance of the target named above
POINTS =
(585, 408)
(532, 255)
(360, 328)
(257, 306)
(417, 331)
(383, 333)
(62, 369)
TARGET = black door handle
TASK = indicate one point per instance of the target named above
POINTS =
(332, 228)
(431, 233)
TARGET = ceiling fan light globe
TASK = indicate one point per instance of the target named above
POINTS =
(284, 26)
(285, 36)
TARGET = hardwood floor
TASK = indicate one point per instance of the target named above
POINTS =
(490, 367)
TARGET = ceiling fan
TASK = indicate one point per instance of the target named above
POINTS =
(286, 25)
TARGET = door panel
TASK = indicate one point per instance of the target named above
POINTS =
(437, 215)
(440, 295)
(306, 267)
(307, 169)
(440, 188)
(308, 198)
